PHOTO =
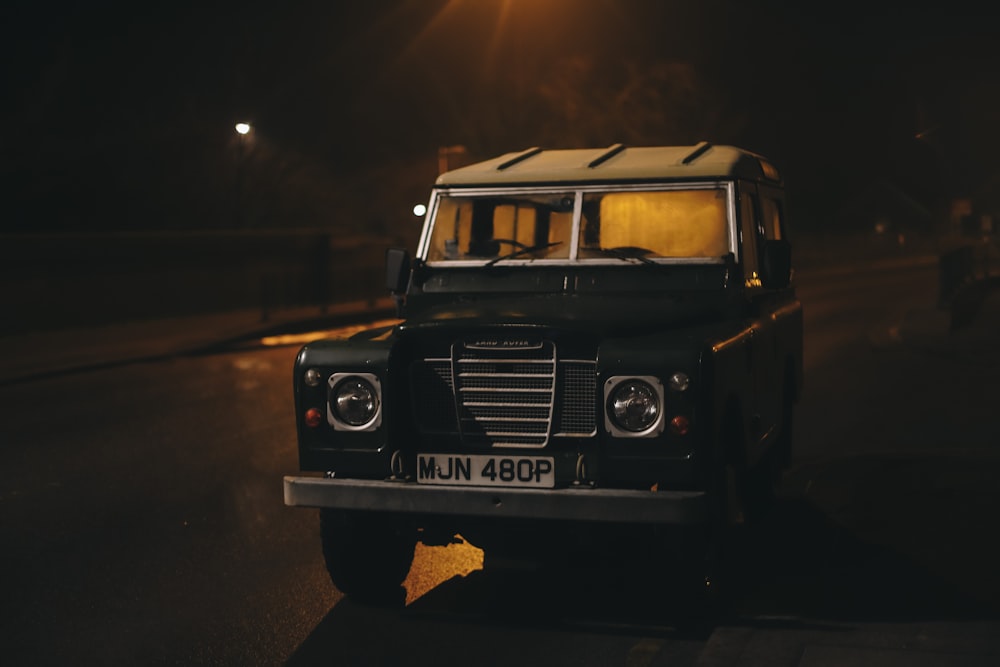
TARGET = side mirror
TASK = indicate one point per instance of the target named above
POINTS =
(397, 270)
(776, 264)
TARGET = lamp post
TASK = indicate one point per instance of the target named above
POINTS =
(243, 131)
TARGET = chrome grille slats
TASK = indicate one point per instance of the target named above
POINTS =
(499, 376)
(495, 394)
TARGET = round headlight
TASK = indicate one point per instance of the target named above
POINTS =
(634, 405)
(355, 401)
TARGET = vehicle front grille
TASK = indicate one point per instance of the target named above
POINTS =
(496, 394)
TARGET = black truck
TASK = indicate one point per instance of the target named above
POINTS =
(596, 347)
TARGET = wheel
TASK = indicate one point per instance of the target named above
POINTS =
(708, 550)
(367, 554)
(701, 586)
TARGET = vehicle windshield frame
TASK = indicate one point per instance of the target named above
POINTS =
(577, 192)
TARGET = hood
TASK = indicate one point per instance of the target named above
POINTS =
(602, 315)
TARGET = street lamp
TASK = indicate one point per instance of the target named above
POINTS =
(243, 130)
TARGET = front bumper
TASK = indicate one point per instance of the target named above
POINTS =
(571, 504)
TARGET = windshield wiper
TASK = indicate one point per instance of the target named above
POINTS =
(626, 254)
(523, 251)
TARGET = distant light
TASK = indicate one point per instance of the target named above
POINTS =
(243, 128)
(419, 210)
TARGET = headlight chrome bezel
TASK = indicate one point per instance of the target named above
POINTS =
(366, 383)
(617, 387)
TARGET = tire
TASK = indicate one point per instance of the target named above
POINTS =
(709, 550)
(367, 554)
(699, 589)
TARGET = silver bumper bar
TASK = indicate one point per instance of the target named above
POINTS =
(576, 503)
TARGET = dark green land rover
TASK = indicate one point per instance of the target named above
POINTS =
(599, 347)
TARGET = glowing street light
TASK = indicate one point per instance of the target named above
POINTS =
(243, 130)
(419, 210)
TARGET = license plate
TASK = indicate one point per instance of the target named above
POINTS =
(486, 470)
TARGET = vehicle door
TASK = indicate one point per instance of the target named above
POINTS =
(764, 407)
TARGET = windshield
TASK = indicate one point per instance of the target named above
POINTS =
(586, 225)
(488, 227)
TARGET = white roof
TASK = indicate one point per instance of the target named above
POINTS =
(614, 163)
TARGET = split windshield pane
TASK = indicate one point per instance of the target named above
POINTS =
(478, 228)
(668, 223)
(676, 223)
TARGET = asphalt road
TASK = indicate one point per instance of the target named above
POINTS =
(143, 523)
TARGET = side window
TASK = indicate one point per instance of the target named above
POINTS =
(749, 225)
(773, 218)
(748, 239)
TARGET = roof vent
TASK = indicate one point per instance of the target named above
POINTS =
(524, 155)
(700, 149)
(606, 155)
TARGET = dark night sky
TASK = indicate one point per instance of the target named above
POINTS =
(120, 116)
